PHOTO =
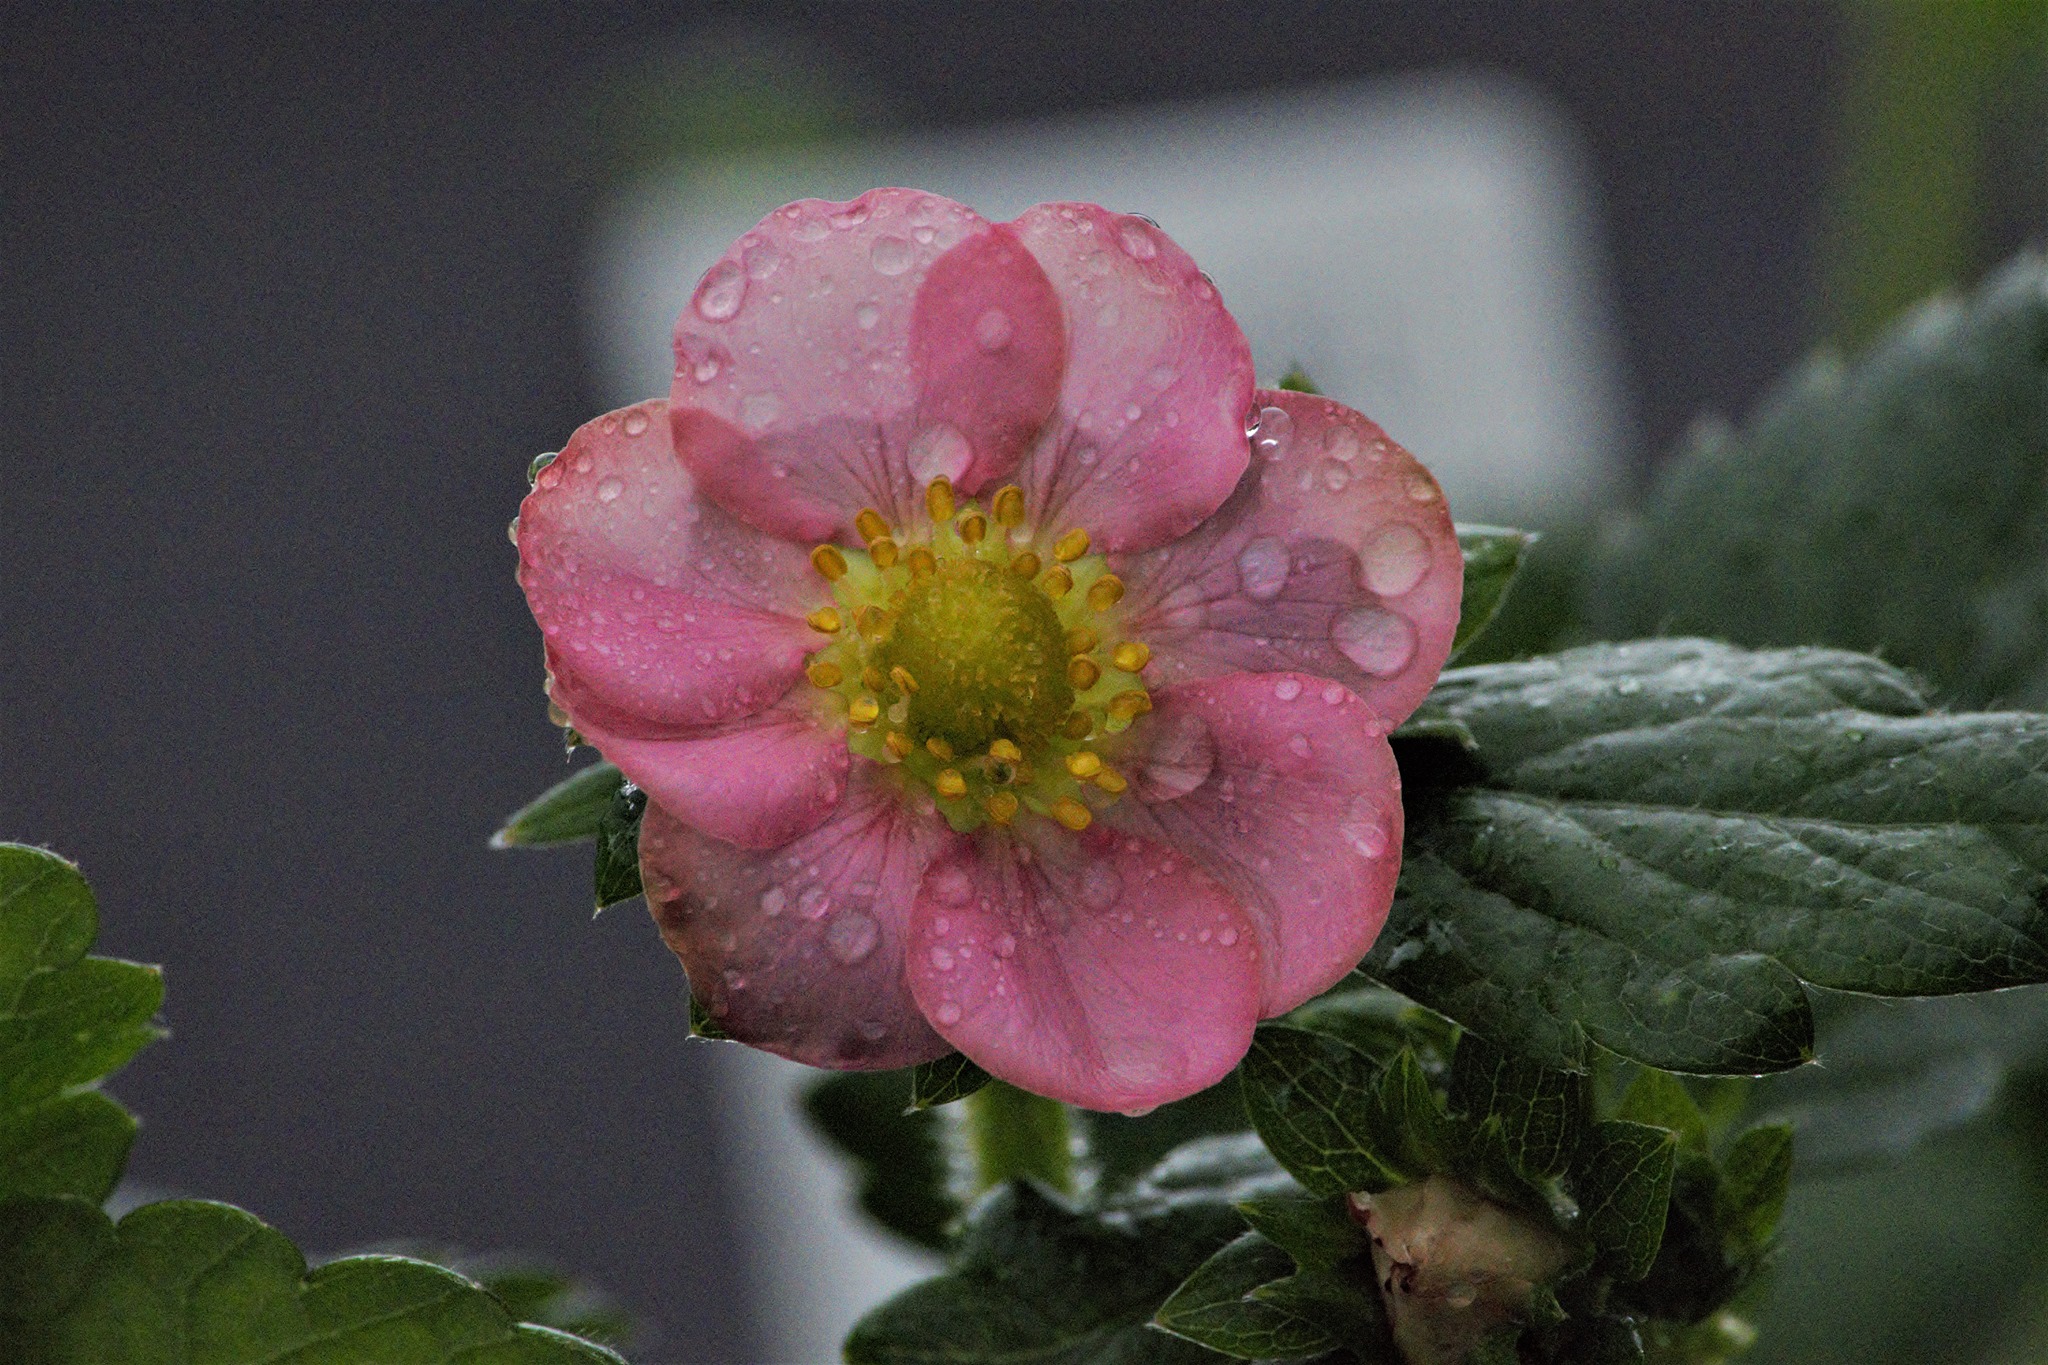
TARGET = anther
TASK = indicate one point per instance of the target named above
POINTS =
(1082, 640)
(939, 749)
(1084, 764)
(938, 500)
(1078, 726)
(1082, 673)
(1070, 546)
(883, 552)
(973, 527)
(1006, 751)
(1057, 582)
(923, 563)
(864, 711)
(870, 525)
(826, 621)
(1112, 781)
(1131, 656)
(906, 684)
(1009, 505)
(1002, 807)
(871, 621)
(950, 783)
(1130, 704)
(827, 560)
(824, 673)
(556, 715)
(1072, 814)
(898, 743)
(1105, 592)
(1025, 565)
(872, 678)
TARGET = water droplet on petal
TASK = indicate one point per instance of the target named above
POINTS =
(1273, 426)
(1396, 560)
(705, 370)
(1287, 689)
(891, 255)
(1340, 443)
(1137, 242)
(1005, 945)
(1145, 1060)
(1228, 938)
(762, 262)
(851, 937)
(938, 451)
(947, 1013)
(1376, 640)
(1101, 885)
(993, 329)
(609, 488)
(636, 422)
(1422, 488)
(867, 315)
(1335, 477)
(757, 410)
(1181, 756)
(951, 886)
(1262, 568)
(1299, 746)
(720, 292)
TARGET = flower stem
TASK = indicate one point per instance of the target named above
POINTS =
(1011, 1132)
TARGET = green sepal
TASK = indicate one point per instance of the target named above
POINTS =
(1493, 556)
(1625, 1171)
(703, 1024)
(568, 812)
(1214, 1307)
(1296, 380)
(952, 1077)
(617, 871)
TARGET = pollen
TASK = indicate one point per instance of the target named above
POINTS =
(938, 500)
(900, 675)
(1072, 814)
(1025, 565)
(826, 621)
(870, 525)
(864, 711)
(923, 563)
(973, 528)
(883, 551)
(949, 782)
(939, 749)
(1083, 763)
(1112, 781)
(1082, 673)
(1131, 656)
(824, 673)
(827, 560)
(1002, 807)
(1005, 751)
(1057, 582)
(1009, 505)
(898, 743)
(1105, 592)
(1082, 640)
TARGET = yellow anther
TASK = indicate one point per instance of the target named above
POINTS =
(1057, 582)
(973, 527)
(923, 563)
(906, 684)
(826, 621)
(873, 679)
(1082, 673)
(1002, 807)
(1007, 751)
(1112, 781)
(1070, 546)
(1025, 565)
(864, 711)
(825, 673)
(1081, 640)
(1129, 704)
(1072, 814)
(1084, 764)
(1131, 656)
(883, 552)
(1009, 505)
(1078, 725)
(871, 621)
(827, 560)
(1105, 592)
(898, 743)
(950, 783)
(938, 499)
(939, 749)
(870, 525)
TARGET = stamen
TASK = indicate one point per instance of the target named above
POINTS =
(870, 525)
(827, 560)
(1057, 582)
(883, 552)
(1112, 781)
(873, 679)
(940, 750)
(898, 743)
(1130, 704)
(1006, 751)
(824, 673)
(556, 715)
(1078, 725)
(1105, 592)
(1070, 546)
(1082, 640)
(1084, 763)
(864, 711)
(871, 621)
(938, 500)
(1002, 807)
(826, 621)
(1082, 673)
(973, 527)
(923, 564)
(1025, 565)
(1131, 656)
(900, 675)
(950, 783)
(1009, 505)
(1072, 814)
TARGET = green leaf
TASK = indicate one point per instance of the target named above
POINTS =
(1899, 503)
(1540, 1112)
(952, 1077)
(571, 810)
(66, 1020)
(187, 1281)
(900, 1160)
(1624, 1178)
(1754, 1180)
(1037, 1279)
(703, 1025)
(1656, 844)
(1493, 555)
(1296, 380)
(1122, 1147)
(1380, 1023)
(1661, 1100)
(617, 873)
(531, 1291)
(1317, 1233)
(1312, 1098)
(1214, 1307)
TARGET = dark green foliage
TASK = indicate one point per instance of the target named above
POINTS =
(568, 812)
(952, 1077)
(900, 1159)
(617, 874)
(1493, 556)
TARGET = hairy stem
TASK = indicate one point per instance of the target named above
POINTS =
(1012, 1133)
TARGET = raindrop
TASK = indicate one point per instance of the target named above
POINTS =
(1396, 560)
(1340, 443)
(512, 530)
(609, 488)
(757, 410)
(1006, 945)
(938, 450)
(705, 370)
(993, 329)
(1422, 488)
(1137, 242)
(1376, 640)
(1101, 886)
(891, 255)
(867, 315)
(720, 291)
(1335, 477)
(1228, 938)
(1262, 568)
(1181, 757)
(851, 937)
(948, 1013)
(1287, 689)
(762, 262)
(636, 422)
(1299, 746)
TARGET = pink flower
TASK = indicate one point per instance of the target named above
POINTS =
(1004, 671)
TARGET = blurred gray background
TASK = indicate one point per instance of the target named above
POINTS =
(291, 295)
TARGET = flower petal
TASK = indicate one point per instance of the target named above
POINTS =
(840, 356)
(1148, 437)
(800, 950)
(1294, 807)
(657, 608)
(1335, 556)
(1098, 969)
(757, 782)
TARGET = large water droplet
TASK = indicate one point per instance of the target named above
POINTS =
(1376, 640)
(1287, 689)
(609, 488)
(993, 330)
(1262, 568)
(720, 291)
(1137, 242)
(762, 261)
(1273, 427)
(867, 315)
(774, 901)
(939, 450)
(757, 410)
(851, 937)
(891, 255)
(636, 422)
(1101, 885)
(1396, 560)
(946, 1013)
(1181, 756)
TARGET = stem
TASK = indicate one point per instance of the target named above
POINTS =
(1013, 1133)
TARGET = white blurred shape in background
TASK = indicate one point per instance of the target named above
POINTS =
(1424, 249)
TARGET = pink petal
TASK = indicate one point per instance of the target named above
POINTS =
(799, 950)
(1098, 969)
(757, 782)
(1148, 437)
(658, 609)
(1335, 556)
(840, 356)
(1291, 801)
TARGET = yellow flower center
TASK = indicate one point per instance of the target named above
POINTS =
(983, 666)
